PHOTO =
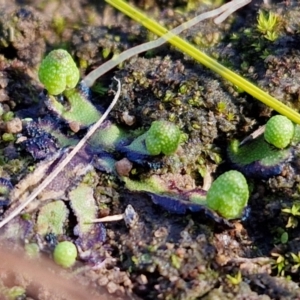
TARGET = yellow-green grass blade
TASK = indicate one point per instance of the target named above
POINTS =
(204, 59)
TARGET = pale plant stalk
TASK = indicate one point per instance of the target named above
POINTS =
(108, 219)
(224, 11)
(64, 162)
(253, 135)
(233, 6)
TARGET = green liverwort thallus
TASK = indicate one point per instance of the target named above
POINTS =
(58, 72)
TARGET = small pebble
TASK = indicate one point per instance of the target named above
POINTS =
(111, 287)
(128, 119)
(123, 167)
(103, 280)
(130, 216)
(14, 126)
(74, 126)
(161, 232)
(142, 279)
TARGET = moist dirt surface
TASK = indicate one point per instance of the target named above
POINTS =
(163, 250)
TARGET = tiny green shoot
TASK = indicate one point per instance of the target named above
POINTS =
(294, 214)
(296, 262)
(266, 22)
(279, 263)
(236, 279)
(173, 38)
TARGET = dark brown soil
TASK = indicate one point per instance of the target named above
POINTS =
(163, 255)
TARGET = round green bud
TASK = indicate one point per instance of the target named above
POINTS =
(58, 72)
(8, 137)
(65, 254)
(228, 195)
(163, 136)
(279, 131)
(7, 116)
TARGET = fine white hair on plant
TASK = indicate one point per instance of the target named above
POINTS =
(225, 10)
(232, 7)
(64, 161)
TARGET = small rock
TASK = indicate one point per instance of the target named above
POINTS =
(74, 126)
(142, 279)
(123, 167)
(161, 232)
(112, 287)
(128, 119)
(14, 126)
(103, 281)
(130, 216)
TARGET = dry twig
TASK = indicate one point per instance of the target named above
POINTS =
(64, 162)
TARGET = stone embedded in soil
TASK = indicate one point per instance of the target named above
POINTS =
(14, 125)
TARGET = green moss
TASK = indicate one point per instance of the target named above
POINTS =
(267, 24)
(207, 40)
(106, 52)
(15, 292)
(15, 166)
(8, 116)
(221, 107)
(176, 261)
(59, 24)
(8, 137)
